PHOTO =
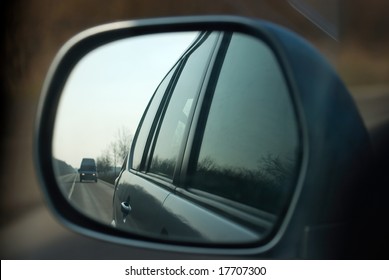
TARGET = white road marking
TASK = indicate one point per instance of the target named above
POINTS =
(72, 189)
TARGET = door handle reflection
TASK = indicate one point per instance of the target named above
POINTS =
(125, 208)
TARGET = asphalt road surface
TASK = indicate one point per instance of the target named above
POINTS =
(90, 198)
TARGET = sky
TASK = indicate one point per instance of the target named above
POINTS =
(109, 89)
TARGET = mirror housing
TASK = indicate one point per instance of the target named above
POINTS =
(335, 145)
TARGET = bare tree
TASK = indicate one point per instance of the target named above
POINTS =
(121, 146)
(104, 163)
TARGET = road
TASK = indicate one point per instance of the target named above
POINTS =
(90, 198)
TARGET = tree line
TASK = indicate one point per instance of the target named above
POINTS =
(113, 156)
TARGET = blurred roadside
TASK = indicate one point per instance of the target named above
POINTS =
(19, 187)
(373, 103)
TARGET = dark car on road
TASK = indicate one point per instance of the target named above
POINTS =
(88, 170)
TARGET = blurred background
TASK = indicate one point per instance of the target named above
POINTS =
(352, 34)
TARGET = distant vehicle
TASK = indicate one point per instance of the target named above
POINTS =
(88, 170)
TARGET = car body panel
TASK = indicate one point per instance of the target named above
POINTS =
(188, 221)
(145, 200)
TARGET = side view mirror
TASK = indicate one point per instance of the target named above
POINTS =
(223, 135)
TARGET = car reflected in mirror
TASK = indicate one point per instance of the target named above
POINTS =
(195, 137)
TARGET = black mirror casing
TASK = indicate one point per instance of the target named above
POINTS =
(335, 145)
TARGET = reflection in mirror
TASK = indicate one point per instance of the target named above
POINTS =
(215, 157)
(99, 110)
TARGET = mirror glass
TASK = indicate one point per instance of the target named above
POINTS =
(99, 110)
(184, 136)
